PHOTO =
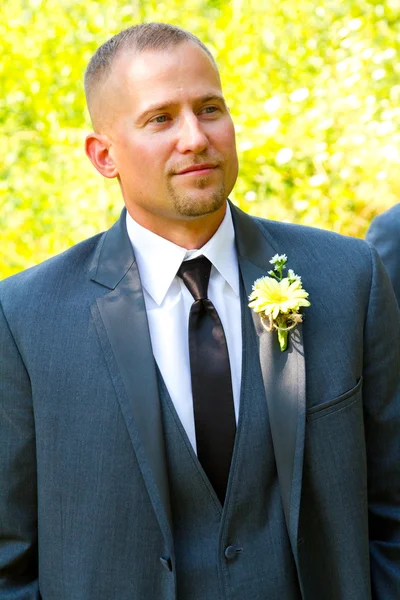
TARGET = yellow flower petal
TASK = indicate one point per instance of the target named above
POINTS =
(273, 297)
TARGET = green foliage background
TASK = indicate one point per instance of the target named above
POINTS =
(313, 87)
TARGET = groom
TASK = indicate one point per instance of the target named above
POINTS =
(156, 442)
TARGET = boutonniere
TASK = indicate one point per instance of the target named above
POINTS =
(279, 299)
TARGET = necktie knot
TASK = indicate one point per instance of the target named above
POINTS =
(195, 274)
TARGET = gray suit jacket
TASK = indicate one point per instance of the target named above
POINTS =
(84, 501)
(384, 234)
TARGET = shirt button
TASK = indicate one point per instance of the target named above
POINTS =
(232, 551)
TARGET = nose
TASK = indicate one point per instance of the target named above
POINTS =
(192, 137)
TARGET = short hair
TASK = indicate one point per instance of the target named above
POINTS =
(138, 38)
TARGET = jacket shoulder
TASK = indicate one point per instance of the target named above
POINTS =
(387, 221)
(76, 262)
(317, 244)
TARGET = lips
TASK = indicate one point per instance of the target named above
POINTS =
(199, 169)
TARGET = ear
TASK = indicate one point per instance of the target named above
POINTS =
(97, 147)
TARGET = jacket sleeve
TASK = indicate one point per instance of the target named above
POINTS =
(18, 503)
(381, 396)
(384, 234)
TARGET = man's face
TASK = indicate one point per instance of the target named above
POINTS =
(171, 134)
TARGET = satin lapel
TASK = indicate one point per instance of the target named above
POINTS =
(283, 373)
(121, 321)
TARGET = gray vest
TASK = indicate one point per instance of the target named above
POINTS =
(240, 551)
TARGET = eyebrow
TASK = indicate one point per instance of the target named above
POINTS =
(161, 107)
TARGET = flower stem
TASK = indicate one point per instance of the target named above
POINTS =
(282, 338)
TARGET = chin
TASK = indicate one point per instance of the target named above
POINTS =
(189, 207)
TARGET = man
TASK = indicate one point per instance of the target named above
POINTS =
(384, 234)
(117, 480)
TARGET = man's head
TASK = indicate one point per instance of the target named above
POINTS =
(155, 37)
(161, 125)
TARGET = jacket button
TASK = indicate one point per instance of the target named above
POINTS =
(232, 551)
(166, 563)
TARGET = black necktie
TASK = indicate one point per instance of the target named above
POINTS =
(214, 414)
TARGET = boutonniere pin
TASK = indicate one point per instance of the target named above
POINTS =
(279, 299)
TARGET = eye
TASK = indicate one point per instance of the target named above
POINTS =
(159, 119)
(209, 110)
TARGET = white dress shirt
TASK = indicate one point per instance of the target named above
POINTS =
(168, 303)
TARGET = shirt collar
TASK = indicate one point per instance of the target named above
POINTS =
(159, 259)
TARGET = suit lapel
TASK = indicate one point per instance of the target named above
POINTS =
(121, 322)
(283, 372)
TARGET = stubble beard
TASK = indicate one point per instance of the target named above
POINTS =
(187, 205)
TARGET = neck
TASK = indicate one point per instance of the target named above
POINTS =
(189, 234)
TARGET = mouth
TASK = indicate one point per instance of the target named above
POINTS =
(200, 169)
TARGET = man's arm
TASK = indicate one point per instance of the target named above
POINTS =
(381, 398)
(18, 502)
(384, 234)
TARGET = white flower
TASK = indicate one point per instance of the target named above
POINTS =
(293, 277)
(278, 258)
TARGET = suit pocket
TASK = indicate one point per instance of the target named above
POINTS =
(339, 403)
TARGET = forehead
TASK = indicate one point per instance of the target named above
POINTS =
(184, 68)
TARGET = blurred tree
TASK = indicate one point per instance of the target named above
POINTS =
(312, 86)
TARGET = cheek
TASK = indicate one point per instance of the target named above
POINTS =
(228, 149)
(225, 140)
(151, 156)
